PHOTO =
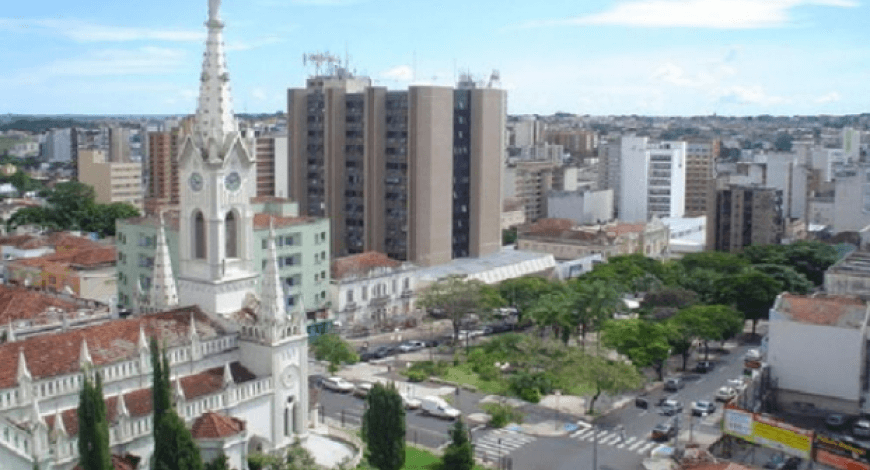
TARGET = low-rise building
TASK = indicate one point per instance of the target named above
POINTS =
(493, 268)
(586, 207)
(513, 213)
(850, 275)
(565, 241)
(370, 289)
(88, 273)
(804, 366)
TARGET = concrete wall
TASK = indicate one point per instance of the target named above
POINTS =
(852, 202)
(487, 151)
(802, 359)
(586, 208)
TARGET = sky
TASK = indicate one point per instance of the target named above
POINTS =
(598, 57)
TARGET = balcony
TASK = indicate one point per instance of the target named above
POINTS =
(379, 301)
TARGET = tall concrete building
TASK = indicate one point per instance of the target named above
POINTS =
(272, 170)
(112, 181)
(162, 191)
(652, 179)
(700, 166)
(59, 145)
(609, 162)
(743, 215)
(414, 174)
(529, 183)
(119, 145)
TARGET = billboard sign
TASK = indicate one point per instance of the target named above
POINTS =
(841, 453)
(767, 431)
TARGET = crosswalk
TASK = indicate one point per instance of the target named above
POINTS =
(499, 443)
(640, 445)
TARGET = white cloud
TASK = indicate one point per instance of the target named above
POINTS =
(828, 98)
(401, 73)
(258, 94)
(104, 63)
(717, 14)
(83, 31)
(748, 95)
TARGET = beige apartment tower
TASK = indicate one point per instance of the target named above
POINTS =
(742, 215)
(415, 173)
(162, 190)
(700, 165)
(112, 182)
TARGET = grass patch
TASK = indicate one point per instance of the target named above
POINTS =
(464, 374)
(419, 459)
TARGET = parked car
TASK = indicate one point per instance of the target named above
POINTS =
(413, 345)
(737, 384)
(671, 407)
(663, 431)
(725, 394)
(410, 403)
(362, 389)
(861, 428)
(665, 398)
(439, 408)
(752, 355)
(702, 407)
(835, 421)
(641, 402)
(704, 366)
(502, 327)
(337, 384)
(673, 384)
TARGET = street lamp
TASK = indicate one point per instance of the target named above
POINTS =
(558, 394)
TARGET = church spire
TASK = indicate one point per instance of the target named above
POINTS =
(163, 294)
(271, 306)
(214, 113)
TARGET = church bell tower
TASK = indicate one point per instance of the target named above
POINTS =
(217, 174)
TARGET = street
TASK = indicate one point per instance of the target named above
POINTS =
(622, 435)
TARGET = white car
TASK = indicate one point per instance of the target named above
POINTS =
(725, 394)
(737, 384)
(436, 406)
(409, 346)
(362, 389)
(753, 355)
(410, 403)
(337, 384)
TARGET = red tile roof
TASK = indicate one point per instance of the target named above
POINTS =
(140, 402)
(361, 264)
(57, 354)
(23, 304)
(216, 426)
(833, 310)
(261, 221)
(622, 229)
(550, 226)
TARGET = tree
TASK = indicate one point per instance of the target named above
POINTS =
(298, 458)
(722, 263)
(669, 297)
(456, 297)
(39, 216)
(750, 292)
(93, 438)
(791, 280)
(705, 323)
(554, 310)
(174, 447)
(330, 347)
(783, 142)
(459, 454)
(644, 343)
(523, 292)
(593, 303)
(383, 428)
(508, 236)
(608, 376)
(220, 462)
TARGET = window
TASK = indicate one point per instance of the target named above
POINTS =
(231, 235)
(350, 295)
(406, 284)
(289, 261)
(145, 261)
(198, 233)
(365, 293)
(265, 243)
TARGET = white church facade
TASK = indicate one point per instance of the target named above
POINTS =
(238, 357)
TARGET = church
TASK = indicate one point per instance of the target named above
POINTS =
(238, 354)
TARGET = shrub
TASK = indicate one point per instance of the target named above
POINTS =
(416, 375)
(501, 414)
(531, 385)
(420, 371)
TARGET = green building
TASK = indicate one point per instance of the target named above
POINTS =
(302, 244)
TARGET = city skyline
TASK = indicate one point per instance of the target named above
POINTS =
(660, 57)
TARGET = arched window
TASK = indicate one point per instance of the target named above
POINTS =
(231, 235)
(198, 241)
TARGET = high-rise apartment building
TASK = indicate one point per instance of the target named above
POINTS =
(652, 179)
(700, 165)
(415, 173)
(272, 170)
(743, 215)
(530, 182)
(112, 181)
(609, 162)
(577, 142)
(119, 145)
(162, 191)
(59, 145)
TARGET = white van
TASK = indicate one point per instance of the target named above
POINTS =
(437, 407)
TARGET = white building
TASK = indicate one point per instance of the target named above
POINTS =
(232, 345)
(852, 201)
(687, 234)
(803, 364)
(370, 289)
(58, 145)
(584, 208)
(652, 179)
